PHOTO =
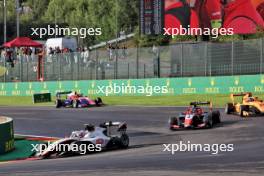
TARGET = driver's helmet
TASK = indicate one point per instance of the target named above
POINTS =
(250, 99)
(89, 127)
(197, 110)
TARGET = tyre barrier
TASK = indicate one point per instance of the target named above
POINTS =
(6, 135)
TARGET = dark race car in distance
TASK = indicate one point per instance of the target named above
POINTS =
(74, 100)
(196, 117)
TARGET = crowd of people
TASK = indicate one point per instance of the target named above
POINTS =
(113, 51)
(12, 56)
(81, 55)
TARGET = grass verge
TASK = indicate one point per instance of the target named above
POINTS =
(181, 100)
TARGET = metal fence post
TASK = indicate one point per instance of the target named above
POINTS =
(21, 69)
(128, 71)
(232, 58)
(144, 70)
(72, 64)
(116, 63)
(206, 59)
(6, 69)
(59, 58)
(27, 72)
(137, 63)
(261, 55)
(78, 65)
(181, 60)
(209, 60)
(96, 65)
(159, 70)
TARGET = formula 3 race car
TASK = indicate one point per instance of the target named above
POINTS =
(195, 117)
(109, 135)
(249, 106)
(75, 100)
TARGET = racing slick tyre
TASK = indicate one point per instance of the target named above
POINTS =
(124, 141)
(75, 104)
(58, 103)
(173, 121)
(216, 117)
(229, 108)
(209, 123)
(98, 101)
(242, 110)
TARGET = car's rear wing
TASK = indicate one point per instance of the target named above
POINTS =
(58, 94)
(113, 127)
(242, 94)
(232, 96)
(200, 103)
(209, 103)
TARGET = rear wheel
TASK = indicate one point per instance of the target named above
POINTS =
(229, 108)
(58, 103)
(216, 117)
(209, 123)
(124, 141)
(98, 101)
(241, 112)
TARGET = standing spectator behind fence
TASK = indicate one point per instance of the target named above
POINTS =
(50, 54)
(77, 55)
(66, 54)
(124, 52)
(2, 55)
(26, 53)
(111, 53)
(85, 54)
(9, 55)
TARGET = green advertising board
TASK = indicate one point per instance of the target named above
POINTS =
(141, 87)
(6, 135)
(42, 98)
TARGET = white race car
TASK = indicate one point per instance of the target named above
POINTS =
(109, 135)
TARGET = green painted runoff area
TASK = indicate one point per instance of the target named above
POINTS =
(23, 150)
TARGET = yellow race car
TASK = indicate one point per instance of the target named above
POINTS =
(250, 106)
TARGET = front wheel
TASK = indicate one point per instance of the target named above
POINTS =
(216, 117)
(98, 101)
(75, 104)
(173, 121)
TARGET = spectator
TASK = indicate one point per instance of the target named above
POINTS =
(85, 55)
(50, 54)
(110, 50)
(124, 52)
(66, 54)
(10, 56)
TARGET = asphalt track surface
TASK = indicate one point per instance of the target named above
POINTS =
(148, 131)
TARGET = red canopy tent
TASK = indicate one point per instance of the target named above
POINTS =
(22, 42)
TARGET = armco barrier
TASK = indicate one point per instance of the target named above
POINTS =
(142, 87)
(6, 135)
